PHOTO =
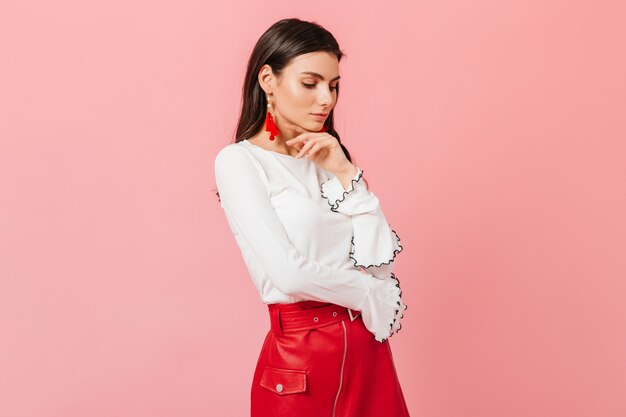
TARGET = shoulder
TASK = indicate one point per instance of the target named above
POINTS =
(233, 156)
(235, 160)
(230, 152)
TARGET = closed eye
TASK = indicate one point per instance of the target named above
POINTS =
(313, 85)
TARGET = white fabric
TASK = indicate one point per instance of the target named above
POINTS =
(304, 237)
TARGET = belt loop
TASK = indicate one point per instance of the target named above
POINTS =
(280, 326)
(275, 317)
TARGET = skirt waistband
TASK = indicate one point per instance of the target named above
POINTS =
(304, 315)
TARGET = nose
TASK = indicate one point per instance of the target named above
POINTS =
(325, 98)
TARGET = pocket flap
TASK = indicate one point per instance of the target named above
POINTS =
(283, 381)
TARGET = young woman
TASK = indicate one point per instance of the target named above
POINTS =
(314, 238)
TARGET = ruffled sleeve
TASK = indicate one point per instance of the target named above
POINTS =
(375, 244)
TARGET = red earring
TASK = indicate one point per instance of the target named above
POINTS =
(270, 125)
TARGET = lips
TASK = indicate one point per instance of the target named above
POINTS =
(320, 114)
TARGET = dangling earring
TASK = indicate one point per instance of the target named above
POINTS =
(270, 124)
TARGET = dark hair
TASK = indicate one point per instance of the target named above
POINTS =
(277, 47)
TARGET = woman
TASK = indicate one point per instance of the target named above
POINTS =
(314, 238)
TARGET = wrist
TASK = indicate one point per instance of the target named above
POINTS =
(346, 175)
(349, 170)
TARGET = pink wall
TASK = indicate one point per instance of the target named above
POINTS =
(492, 131)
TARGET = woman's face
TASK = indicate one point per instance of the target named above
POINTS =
(307, 85)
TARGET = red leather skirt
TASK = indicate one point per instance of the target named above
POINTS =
(319, 360)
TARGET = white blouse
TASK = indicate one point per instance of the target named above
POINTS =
(304, 237)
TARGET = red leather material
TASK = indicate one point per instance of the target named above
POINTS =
(317, 362)
(289, 381)
(305, 315)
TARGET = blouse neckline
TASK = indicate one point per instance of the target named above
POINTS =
(282, 155)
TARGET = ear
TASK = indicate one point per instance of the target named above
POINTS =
(265, 77)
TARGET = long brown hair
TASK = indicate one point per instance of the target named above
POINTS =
(277, 47)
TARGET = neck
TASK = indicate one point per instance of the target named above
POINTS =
(262, 139)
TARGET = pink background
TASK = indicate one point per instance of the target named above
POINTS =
(492, 131)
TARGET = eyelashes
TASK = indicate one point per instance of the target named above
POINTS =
(313, 85)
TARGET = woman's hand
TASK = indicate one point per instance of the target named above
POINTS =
(321, 148)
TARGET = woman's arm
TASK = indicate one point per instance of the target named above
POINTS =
(374, 243)
(259, 232)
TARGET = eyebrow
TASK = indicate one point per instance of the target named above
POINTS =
(315, 74)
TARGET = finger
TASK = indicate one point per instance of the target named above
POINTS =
(316, 147)
(305, 148)
(302, 137)
(316, 144)
(298, 146)
(295, 142)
